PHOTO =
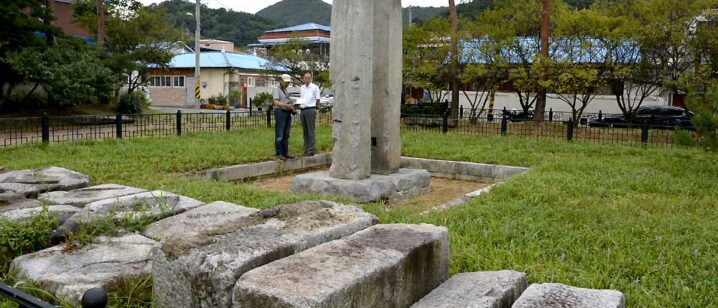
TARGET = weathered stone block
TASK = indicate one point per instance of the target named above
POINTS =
(200, 270)
(32, 182)
(383, 266)
(148, 203)
(559, 295)
(197, 219)
(480, 289)
(404, 184)
(81, 197)
(11, 201)
(62, 212)
(67, 271)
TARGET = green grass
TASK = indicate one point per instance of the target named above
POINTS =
(641, 220)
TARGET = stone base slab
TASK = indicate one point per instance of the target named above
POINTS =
(559, 295)
(404, 184)
(477, 290)
(382, 266)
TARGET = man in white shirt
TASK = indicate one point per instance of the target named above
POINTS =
(308, 103)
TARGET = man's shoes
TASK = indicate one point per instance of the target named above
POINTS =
(282, 157)
(308, 154)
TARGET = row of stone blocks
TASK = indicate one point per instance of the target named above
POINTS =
(309, 254)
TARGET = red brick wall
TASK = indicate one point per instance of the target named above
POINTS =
(64, 19)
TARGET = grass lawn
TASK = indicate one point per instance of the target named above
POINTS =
(639, 220)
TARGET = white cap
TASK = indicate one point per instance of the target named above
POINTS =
(286, 78)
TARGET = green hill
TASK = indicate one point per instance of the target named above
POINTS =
(296, 12)
(419, 14)
(238, 27)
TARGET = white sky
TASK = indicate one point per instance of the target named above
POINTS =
(252, 6)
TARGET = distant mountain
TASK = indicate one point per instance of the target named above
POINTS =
(296, 12)
(419, 14)
(238, 27)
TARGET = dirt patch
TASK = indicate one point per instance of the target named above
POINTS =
(442, 190)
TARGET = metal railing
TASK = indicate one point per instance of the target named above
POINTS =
(557, 126)
(46, 129)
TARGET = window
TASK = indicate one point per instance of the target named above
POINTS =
(250, 82)
(166, 81)
(261, 82)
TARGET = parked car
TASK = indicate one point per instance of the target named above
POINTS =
(326, 101)
(519, 116)
(667, 117)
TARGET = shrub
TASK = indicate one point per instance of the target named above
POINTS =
(703, 100)
(262, 100)
(19, 238)
(132, 103)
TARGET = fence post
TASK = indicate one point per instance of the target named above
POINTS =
(600, 115)
(569, 130)
(118, 126)
(250, 106)
(461, 112)
(269, 116)
(228, 121)
(504, 124)
(179, 123)
(445, 121)
(45, 128)
(550, 115)
(644, 133)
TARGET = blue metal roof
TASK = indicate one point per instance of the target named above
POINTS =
(218, 59)
(304, 27)
(524, 49)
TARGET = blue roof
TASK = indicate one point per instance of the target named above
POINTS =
(304, 27)
(218, 59)
(524, 49)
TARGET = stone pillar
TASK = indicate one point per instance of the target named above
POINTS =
(351, 57)
(386, 107)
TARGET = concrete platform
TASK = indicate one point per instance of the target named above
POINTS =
(407, 183)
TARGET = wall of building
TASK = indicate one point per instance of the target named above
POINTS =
(64, 19)
(605, 103)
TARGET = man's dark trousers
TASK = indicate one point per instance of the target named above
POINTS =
(281, 131)
(309, 119)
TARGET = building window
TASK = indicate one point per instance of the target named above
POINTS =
(166, 81)
(179, 81)
(250, 81)
(261, 82)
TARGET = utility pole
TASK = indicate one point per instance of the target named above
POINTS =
(100, 24)
(410, 17)
(454, 65)
(197, 82)
(545, 29)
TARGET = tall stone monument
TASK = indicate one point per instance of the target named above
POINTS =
(365, 69)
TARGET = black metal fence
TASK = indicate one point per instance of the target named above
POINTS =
(557, 126)
(19, 131)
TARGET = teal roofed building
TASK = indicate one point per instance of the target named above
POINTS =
(235, 76)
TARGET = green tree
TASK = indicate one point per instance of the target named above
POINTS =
(517, 26)
(137, 38)
(70, 75)
(299, 57)
(484, 69)
(25, 24)
(426, 52)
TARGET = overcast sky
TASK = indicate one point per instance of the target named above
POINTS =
(252, 6)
